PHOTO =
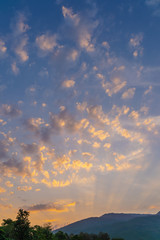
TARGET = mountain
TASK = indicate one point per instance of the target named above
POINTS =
(127, 226)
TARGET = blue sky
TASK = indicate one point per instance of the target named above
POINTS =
(79, 108)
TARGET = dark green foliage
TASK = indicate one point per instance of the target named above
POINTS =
(117, 239)
(103, 236)
(22, 226)
(2, 234)
(20, 229)
(42, 233)
(61, 236)
(8, 228)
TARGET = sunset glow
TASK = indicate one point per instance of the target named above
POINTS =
(79, 108)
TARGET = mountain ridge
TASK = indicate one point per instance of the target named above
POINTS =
(129, 226)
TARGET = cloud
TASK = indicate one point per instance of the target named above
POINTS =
(155, 5)
(57, 207)
(14, 67)
(96, 113)
(102, 135)
(29, 148)
(38, 127)
(5, 206)
(70, 16)
(68, 83)
(85, 141)
(73, 55)
(62, 163)
(85, 41)
(3, 149)
(81, 106)
(56, 183)
(109, 167)
(134, 115)
(149, 90)
(13, 165)
(9, 184)
(61, 122)
(21, 51)
(20, 38)
(24, 188)
(152, 2)
(96, 145)
(10, 110)
(20, 26)
(33, 124)
(129, 93)
(135, 44)
(114, 86)
(3, 48)
(130, 134)
(36, 156)
(107, 145)
(65, 121)
(47, 42)
(2, 190)
(77, 164)
(81, 29)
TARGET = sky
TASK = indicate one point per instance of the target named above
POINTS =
(79, 108)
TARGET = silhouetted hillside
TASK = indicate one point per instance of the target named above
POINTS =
(128, 226)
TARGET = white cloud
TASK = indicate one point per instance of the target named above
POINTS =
(20, 38)
(21, 26)
(73, 55)
(20, 50)
(68, 14)
(82, 31)
(129, 93)
(46, 42)
(85, 41)
(68, 83)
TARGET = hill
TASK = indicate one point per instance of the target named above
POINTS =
(128, 226)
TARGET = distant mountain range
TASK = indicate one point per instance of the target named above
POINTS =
(127, 226)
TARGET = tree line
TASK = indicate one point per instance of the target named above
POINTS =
(20, 229)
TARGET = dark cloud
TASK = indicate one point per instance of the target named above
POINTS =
(64, 120)
(34, 150)
(47, 207)
(14, 165)
(30, 125)
(45, 134)
(58, 123)
(29, 148)
(10, 110)
(35, 126)
(3, 149)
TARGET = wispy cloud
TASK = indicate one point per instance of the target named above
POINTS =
(20, 37)
(55, 206)
(135, 44)
(129, 93)
(10, 110)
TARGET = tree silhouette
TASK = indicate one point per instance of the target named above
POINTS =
(22, 226)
